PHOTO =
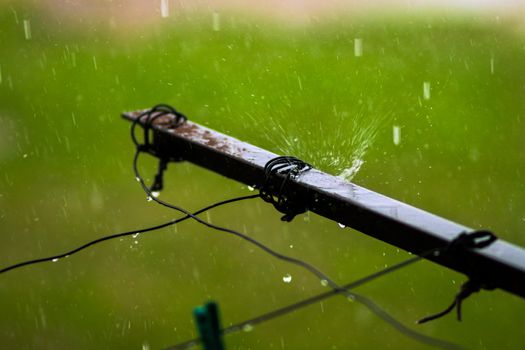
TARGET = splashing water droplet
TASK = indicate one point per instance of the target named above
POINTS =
(247, 327)
(251, 188)
(135, 235)
(341, 225)
(287, 278)
(149, 199)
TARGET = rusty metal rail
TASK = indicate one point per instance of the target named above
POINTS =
(394, 222)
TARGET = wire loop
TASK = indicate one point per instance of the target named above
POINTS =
(291, 168)
(475, 282)
(148, 117)
(151, 115)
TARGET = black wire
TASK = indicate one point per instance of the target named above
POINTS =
(122, 234)
(297, 305)
(314, 299)
(312, 269)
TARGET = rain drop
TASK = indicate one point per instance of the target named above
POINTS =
(164, 8)
(155, 194)
(251, 188)
(216, 22)
(324, 283)
(27, 29)
(396, 135)
(358, 47)
(287, 278)
(55, 260)
(341, 225)
(149, 199)
(426, 90)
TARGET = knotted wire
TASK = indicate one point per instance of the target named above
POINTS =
(295, 166)
(479, 239)
(290, 167)
(475, 282)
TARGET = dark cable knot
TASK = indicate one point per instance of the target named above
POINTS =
(477, 240)
(289, 167)
(147, 118)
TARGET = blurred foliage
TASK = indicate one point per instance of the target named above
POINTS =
(66, 173)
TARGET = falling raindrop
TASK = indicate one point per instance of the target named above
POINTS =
(287, 278)
(358, 47)
(164, 8)
(426, 90)
(216, 22)
(396, 135)
(27, 29)
(135, 235)
(492, 65)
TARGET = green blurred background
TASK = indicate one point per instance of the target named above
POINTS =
(294, 87)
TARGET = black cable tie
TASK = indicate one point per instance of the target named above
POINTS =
(478, 240)
(290, 167)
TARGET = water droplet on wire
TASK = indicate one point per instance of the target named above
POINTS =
(247, 327)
